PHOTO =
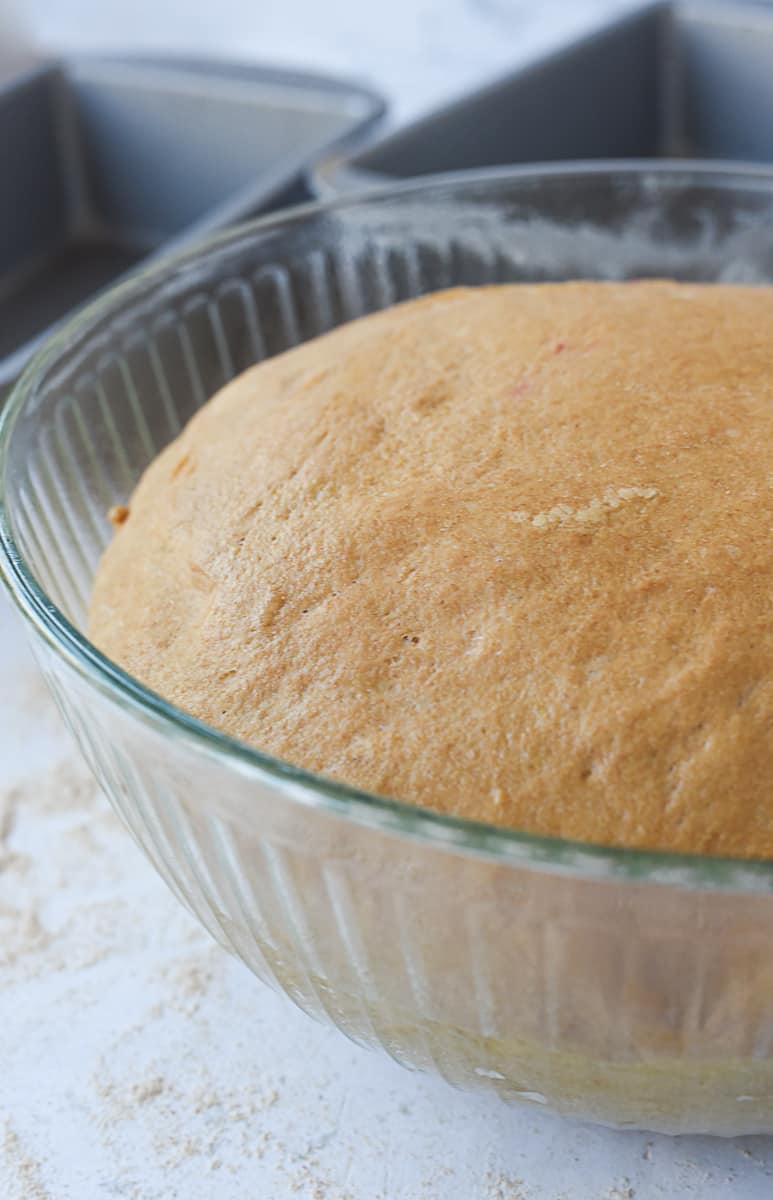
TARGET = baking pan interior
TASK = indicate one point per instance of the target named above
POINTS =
(669, 80)
(107, 161)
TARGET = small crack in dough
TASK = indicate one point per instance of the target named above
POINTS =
(590, 514)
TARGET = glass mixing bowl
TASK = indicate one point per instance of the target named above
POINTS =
(626, 987)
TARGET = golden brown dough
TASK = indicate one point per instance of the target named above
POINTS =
(504, 552)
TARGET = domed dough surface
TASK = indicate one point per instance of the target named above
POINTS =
(503, 552)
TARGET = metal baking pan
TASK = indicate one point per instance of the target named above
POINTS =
(668, 80)
(107, 161)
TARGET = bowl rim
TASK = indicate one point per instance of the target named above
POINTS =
(587, 860)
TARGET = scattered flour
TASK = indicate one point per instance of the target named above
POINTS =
(19, 1172)
(504, 1187)
(620, 1191)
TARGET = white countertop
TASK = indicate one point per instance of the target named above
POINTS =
(139, 1061)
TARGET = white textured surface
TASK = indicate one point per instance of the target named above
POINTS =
(136, 1059)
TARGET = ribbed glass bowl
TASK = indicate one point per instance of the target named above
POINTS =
(625, 987)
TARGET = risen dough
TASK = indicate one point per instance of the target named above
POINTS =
(504, 552)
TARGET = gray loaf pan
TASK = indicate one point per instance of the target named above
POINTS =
(668, 80)
(105, 162)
